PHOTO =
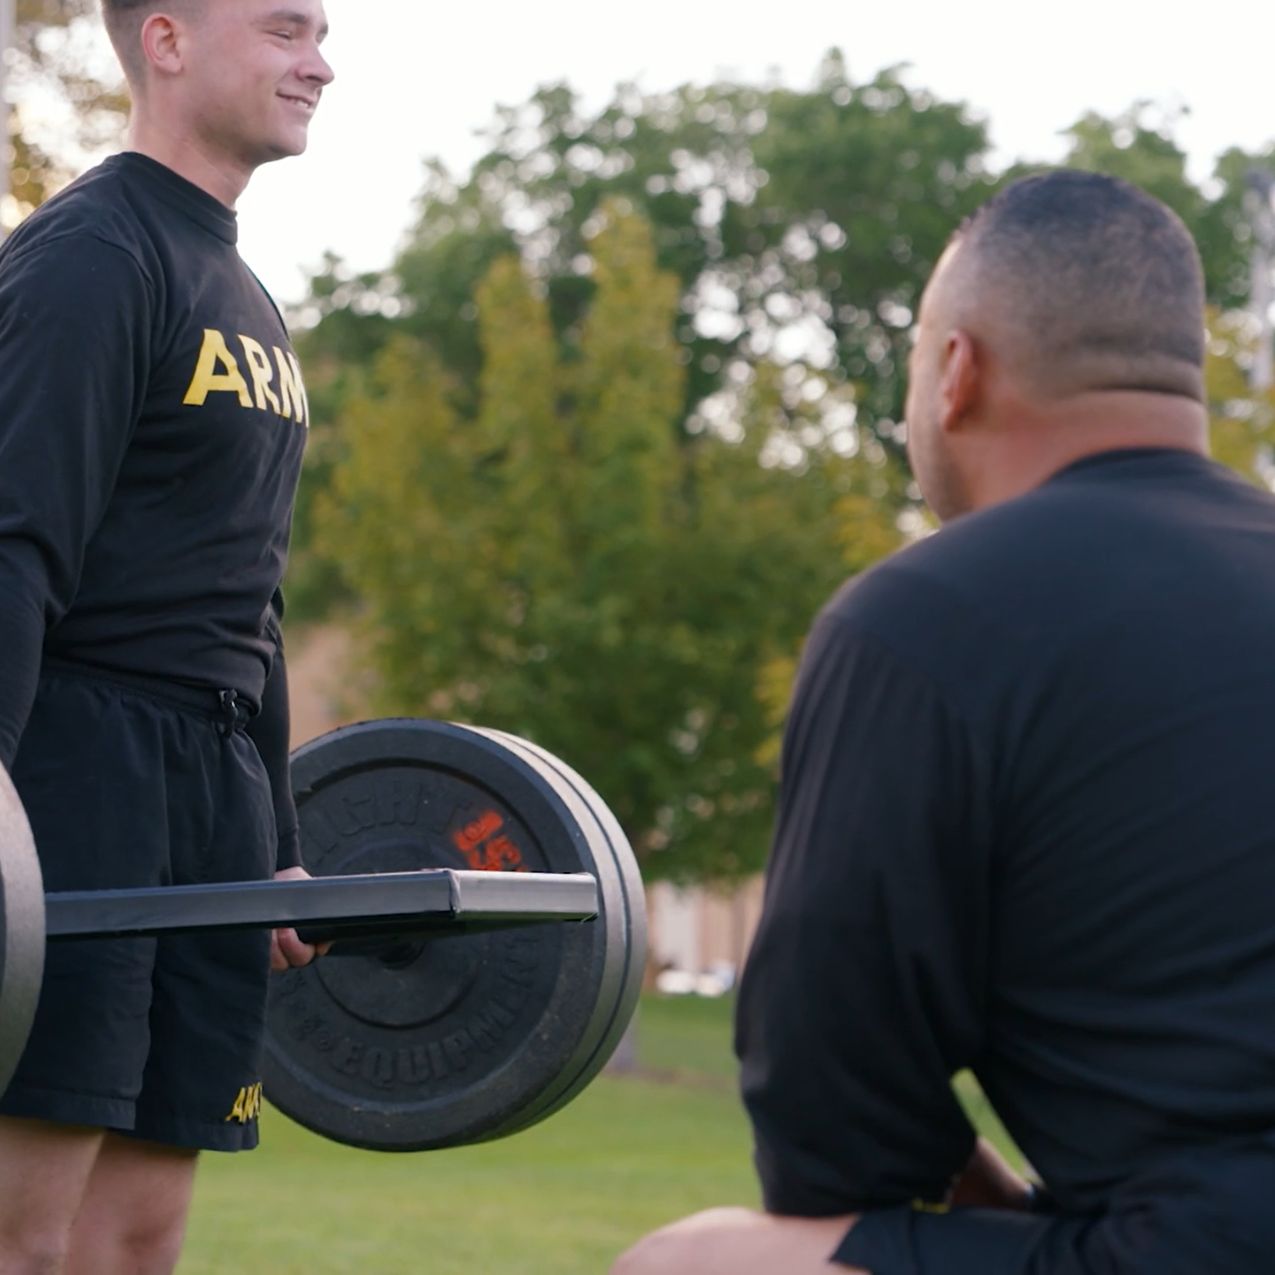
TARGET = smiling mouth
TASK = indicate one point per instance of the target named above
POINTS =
(307, 104)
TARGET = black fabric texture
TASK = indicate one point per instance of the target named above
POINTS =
(1026, 829)
(158, 1037)
(152, 422)
(271, 730)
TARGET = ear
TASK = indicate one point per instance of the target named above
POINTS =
(960, 383)
(162, 45)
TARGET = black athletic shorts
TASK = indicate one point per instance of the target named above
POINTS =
(129, 783)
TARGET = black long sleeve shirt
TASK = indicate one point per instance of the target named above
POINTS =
(152, 422)
(1026, 827)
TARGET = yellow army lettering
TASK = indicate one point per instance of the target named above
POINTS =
(215, 354)
(217, 372)
(247, 1104)
(292, 388)
(259, 366)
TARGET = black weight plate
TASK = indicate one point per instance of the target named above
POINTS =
(456, 1039)
(623, 905)
(21, 929)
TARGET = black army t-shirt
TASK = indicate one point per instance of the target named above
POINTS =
(154, 419)
(1027, 827)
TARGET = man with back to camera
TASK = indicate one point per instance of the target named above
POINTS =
(1025, 822)
(152, 421)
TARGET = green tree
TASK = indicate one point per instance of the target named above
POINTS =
(800, 225)
(1225, 222)
(571, 565)
(1242, 420)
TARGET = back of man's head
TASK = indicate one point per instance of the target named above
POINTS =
(1082, 283)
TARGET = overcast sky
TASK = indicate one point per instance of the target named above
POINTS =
(417, 77)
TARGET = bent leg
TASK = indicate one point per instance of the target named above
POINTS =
(133, 1219)
(44, 1172)
(739, 1242)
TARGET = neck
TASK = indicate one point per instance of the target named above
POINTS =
(215, 174)
(1040, 442)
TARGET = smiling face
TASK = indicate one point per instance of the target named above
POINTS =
(253, 74)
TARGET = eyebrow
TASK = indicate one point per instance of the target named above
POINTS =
(295, 18)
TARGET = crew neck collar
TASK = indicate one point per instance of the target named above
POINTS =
(1125, 455)
(175, 190)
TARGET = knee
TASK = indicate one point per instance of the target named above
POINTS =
(129, 1242)
(150, 1246)
(30, 1248)
(636, 1260)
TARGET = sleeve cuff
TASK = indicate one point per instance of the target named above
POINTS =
(289, 853)
(908, 1241)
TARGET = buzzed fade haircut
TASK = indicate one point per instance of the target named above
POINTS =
(123, 20)
(1094, 284)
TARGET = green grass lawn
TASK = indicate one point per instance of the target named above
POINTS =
(687, 1038)
(561, 1199)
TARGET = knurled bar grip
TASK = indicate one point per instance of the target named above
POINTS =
(406, 901)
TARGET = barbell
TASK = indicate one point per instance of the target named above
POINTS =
(488, 925)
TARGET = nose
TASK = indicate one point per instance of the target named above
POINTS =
(317, 69)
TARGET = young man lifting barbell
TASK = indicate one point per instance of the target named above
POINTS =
(152, 420)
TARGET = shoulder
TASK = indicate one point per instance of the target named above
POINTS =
(1118, 534)
(947, 572)
(985, 585)
(96, 218)
(1081, 527)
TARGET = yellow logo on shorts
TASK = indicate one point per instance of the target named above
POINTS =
(920, 1206)
(247, 1104)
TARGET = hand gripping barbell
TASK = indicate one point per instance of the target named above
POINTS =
(488, 918)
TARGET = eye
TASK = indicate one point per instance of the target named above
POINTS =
(283, 35)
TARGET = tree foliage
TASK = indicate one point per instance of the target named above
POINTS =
(569, 564)
(799, 225)
(1242, 420)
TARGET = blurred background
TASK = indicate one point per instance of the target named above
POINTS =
(605, 326)
(605, 316)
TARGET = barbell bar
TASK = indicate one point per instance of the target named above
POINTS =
(327, 908)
